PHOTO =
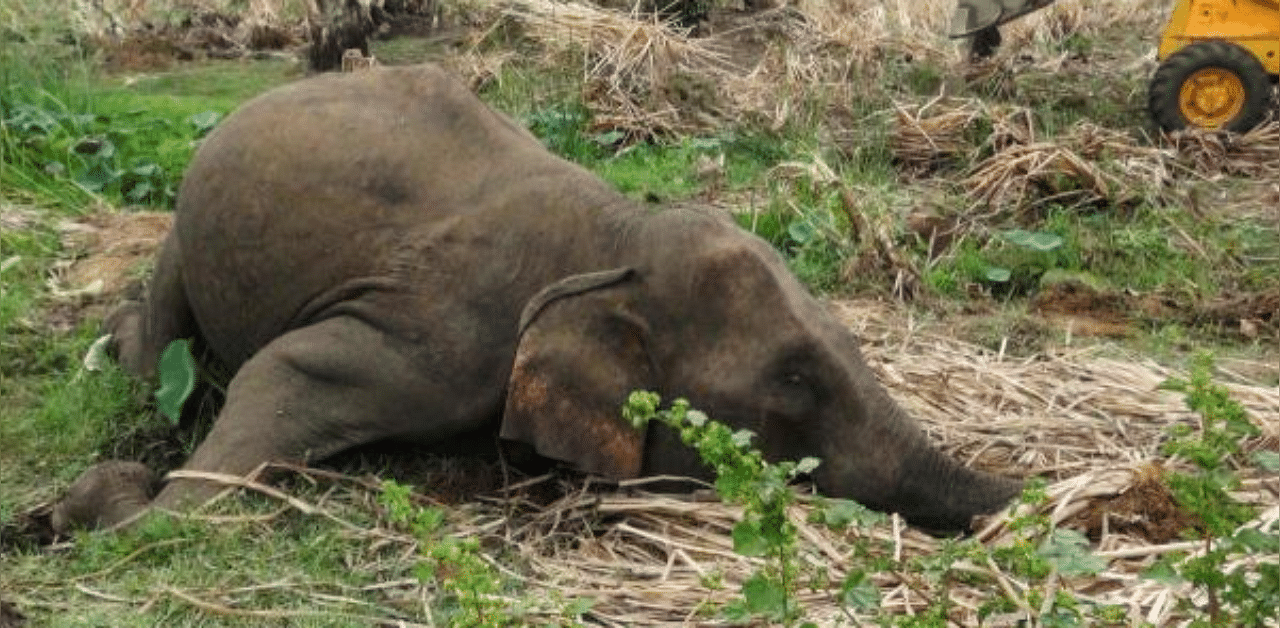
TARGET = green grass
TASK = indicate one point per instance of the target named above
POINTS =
(55, 412)
(309, 571)
(126, 142)
(193, 88)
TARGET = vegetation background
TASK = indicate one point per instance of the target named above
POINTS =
(1025, 257)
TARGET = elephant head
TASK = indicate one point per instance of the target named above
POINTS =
(708, 312)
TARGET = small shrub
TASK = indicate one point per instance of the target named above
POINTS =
(1238, 595)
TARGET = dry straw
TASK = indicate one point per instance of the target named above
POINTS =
(633, 64)
(1088, 421)
(933, 135)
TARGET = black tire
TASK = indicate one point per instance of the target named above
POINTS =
(984, 43)
(1164, 100)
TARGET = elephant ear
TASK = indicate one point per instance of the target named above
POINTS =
(581, 351)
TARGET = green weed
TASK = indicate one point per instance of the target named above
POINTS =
(1239, 595)
(474, 591)
(744, 477)
(132, 157)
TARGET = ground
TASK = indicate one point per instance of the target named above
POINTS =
(896, 180)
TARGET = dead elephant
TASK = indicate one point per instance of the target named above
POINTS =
(382, 256)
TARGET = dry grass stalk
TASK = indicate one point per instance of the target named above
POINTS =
(933, 134)
(1089, 163)
(632, 66)
(1253, 154)
(1011, 176)
(1066, 18)
(476, 68)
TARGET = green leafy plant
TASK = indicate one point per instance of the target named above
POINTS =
(454, 564)
(130, 156)
(811, 234)
(473, 588)
(1039, 554)
(744, 477)
(178, 374)
(563, 129)
(1237, 594)
(1029, 259)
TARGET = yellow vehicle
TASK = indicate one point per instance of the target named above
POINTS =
(1219, 59)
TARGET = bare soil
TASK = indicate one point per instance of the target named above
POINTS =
(110, 254)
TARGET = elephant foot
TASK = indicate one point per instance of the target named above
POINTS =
(125, 324)
(107, 494)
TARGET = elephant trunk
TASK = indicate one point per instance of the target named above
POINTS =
(881, 458)
(936, 493)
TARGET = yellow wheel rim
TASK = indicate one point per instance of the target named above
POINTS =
(1211, 97)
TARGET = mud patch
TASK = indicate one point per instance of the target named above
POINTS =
(1083, 310)
(110, 255)
(1147, 510)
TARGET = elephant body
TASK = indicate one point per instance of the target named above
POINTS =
(379, 255)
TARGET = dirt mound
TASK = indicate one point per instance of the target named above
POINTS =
(111, 254)
(1145, 510)
(1083, 310)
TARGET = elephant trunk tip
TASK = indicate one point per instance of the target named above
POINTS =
(939, 495)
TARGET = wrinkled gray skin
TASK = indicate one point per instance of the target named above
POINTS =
(381, 256)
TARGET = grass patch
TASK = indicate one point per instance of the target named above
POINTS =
(124, 141)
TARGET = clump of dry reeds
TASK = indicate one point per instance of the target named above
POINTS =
(1051, 170)
(934, 134)
(1093, 164)
(1253, 154)
(634, 66)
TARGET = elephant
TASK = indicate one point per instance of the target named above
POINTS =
(381, 256)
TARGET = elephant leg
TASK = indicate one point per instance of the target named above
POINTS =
(307, 395)
(143, 329)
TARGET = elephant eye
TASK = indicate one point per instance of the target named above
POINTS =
(793, 379)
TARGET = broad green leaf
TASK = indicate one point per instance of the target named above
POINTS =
(801, 231)
(838, 514)
(765, 596)
(608, 138)
(1068, 550)
(140, 191)
(808, 464)
(146, 169)
(1255, 541)
(1268, 460)
(204, 121)
(997, 274)
(177, 379)
(1035, 240)
(98, 177)
(859, 592)
(748, 540)
(31, 119)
